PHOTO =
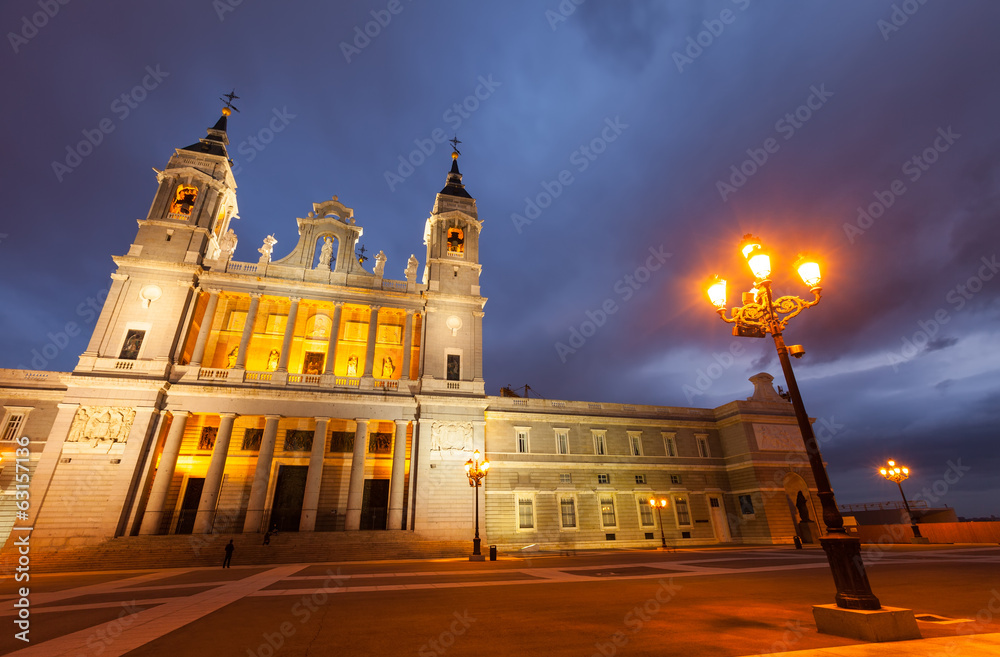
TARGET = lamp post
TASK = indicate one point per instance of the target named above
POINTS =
(662, 504)
(760, 314)
(899, 474)
(476, 470)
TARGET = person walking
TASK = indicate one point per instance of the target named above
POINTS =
(229, 554)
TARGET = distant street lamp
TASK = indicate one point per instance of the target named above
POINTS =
(762, 314)
(476, 470)
(662, 504)
(899, 474)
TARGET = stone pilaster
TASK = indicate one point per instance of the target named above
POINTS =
(261, 477)
(205, 519)
(164, 474)
(356, 489)
(314, 478)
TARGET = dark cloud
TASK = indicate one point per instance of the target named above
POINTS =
(941, 343)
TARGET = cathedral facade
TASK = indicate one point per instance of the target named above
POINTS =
(311, 393)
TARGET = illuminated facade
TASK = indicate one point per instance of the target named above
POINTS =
(310, 393)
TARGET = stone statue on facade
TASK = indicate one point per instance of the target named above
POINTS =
(227, 245)
(266, 249)
(411, 269)
(325, 253)
(380, 264)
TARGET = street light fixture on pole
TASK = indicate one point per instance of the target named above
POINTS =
(662, 504)
(476, 470)
(899, 474)
(762, 314)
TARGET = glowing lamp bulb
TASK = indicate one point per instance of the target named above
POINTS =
(652, 503)
(663, 502)
(476, 455)
(884, 472)
(891, 463)
(809, 271)
(485, 466)
(717, 293)
(760, 264)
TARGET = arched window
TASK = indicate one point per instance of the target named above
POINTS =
(184, 200)
(456, 240)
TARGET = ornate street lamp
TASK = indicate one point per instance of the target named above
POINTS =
(662, 504)
(899, 474)
(476, 470)
(760, 314)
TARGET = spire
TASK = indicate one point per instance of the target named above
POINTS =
(217, 140)
(454, 186)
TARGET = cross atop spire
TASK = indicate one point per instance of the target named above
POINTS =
(454, 145)
(228, 100)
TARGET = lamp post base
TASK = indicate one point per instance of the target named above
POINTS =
(844, 555)
(885, 624)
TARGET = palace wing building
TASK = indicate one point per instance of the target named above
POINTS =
(308, 393)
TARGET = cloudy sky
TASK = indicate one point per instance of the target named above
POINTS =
(618, 152)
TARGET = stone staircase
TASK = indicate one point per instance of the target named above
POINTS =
(181, 551)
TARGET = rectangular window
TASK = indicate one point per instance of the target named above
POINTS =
(562, 442)
(252, 438)
(525, 513)
(565, 478)
(522, 441)
(133, 340)
(635, 442)
(567, 509)
(454, 367)
(603, 479)
(681, 510)
(12, 428)
(675, 479)
(608, 511)
(703, 447)
(670, 444)
(640, 479)
(645, 513)
(713, 502)
(746, 505)
(600, 448)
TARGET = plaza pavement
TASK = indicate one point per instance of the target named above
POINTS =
(727, 602)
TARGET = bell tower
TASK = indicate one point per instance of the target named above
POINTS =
(194, 203)
(152, 295)
(454, 342)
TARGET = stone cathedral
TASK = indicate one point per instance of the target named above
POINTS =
(308, 393)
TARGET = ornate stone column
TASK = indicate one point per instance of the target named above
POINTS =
(164, 475)
(205, 328)
(314, 478)
(241, 357)
(398, 476)
(372, 332)
(286, 341)
(205, 519)
(261, 476)
(331, 347)
(356, 489)
(407, 347)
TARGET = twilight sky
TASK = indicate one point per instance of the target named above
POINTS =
(617, 151)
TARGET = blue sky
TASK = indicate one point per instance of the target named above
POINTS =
(643, 128)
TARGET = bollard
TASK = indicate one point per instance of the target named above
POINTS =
(493, 553)
(798, 543)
